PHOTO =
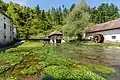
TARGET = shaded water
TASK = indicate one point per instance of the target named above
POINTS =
(103, 55)
(108, 55)
(11, 46)
(111, 56)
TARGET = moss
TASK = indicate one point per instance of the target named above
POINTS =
(78, 73)
(13, 59)
(83, 74)
(101, 69)
(3, 69)
(9, 78)
(32, 57)
(58, 72)
(41, 65)
(29, 71)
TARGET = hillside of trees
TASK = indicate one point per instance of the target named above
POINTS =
(72, 21)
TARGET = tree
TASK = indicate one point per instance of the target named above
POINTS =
(77, 20)
(3, 6)
(14, 11)
(34, 21)
(38, 11)
(105, 12)
(72, 7)
(60, 16)
(22, 18)
(65, 12)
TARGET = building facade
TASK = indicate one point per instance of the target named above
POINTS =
(14, 32)
(6, 30)
(55, 37)
(106, 32)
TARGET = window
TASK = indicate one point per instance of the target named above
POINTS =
(5, 37)
(10, 28)
(113, 37)
(1, 19)
(4, 26)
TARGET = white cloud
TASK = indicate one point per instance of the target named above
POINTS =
(21, 2)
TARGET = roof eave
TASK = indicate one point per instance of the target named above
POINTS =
(101, 30)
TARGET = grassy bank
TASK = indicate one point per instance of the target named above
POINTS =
(49, 61)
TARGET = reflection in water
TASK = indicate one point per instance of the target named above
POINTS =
(111, 56)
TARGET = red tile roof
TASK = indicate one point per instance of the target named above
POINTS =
(114, 24)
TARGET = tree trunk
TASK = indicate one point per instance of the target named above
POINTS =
(27, 34)
(79, 37)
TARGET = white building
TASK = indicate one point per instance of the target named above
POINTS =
(6, 30)
(105, 32)
(14, 32)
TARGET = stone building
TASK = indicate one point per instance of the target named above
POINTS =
(6, 30)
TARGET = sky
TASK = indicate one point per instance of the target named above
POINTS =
(47, 4)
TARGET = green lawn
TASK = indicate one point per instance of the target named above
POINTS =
(35, 58)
